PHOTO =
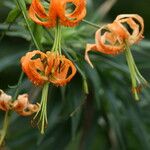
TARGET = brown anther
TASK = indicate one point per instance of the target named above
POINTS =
(137, 89)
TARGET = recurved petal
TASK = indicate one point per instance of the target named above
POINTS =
(35, 67)
(89, 47)
(5, 101)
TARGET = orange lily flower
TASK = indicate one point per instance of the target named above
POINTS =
(4, 101)
(73, 18)
(34, 67)
(39, 15)
(129, 27)
(57, 10)
(50, 67)
(116, 37)
(112, 38)
(60, 70)
(23, 107)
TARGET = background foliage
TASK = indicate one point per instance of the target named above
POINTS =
(107, 118)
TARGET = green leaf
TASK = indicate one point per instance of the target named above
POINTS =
(12, 15)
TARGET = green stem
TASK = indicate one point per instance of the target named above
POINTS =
(60, 36)
(57, 39)
(91, 24)
(4, 129)
(27, 23)
(132, 72)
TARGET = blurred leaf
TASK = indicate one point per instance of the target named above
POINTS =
(12, 15)
(9, 61)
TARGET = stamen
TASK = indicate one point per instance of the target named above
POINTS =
(41, 115)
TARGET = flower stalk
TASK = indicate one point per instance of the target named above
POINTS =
(57, 40)
(91, 24)
(3, 131)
